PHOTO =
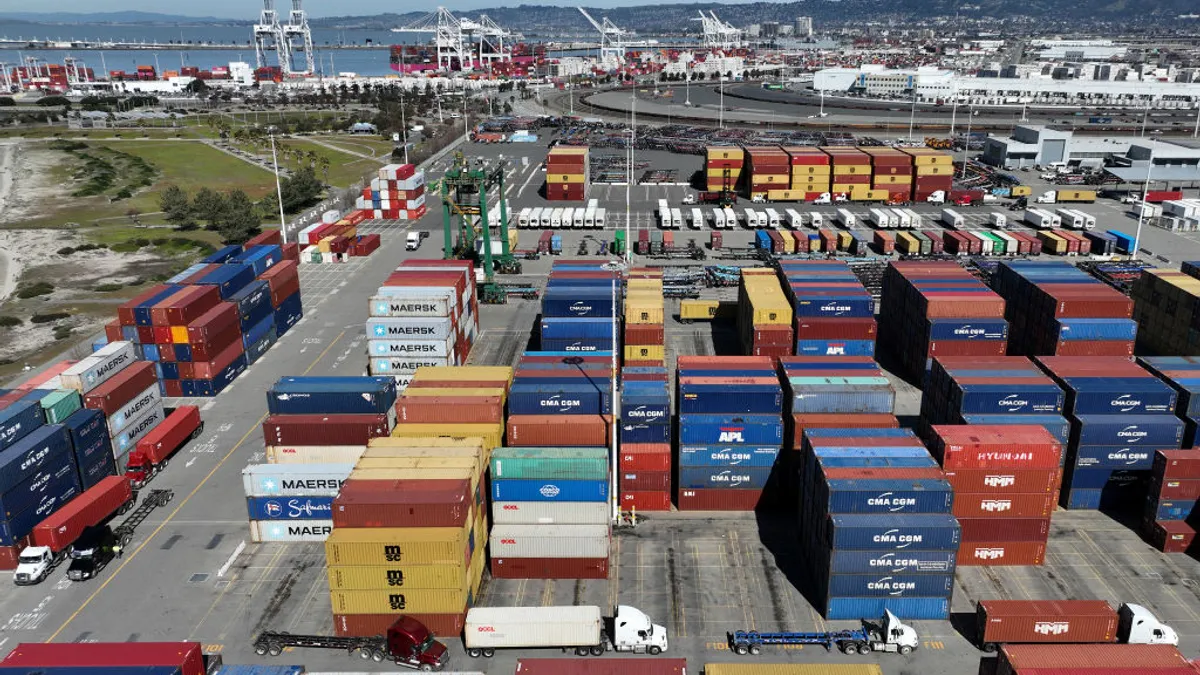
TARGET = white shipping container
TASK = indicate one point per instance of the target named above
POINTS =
(399, 306)
(134, 408)
(550, 541)
(419, 293)
(330, 217)
(500, 627)
(409, 328)
(295, 480)
(550, 513)
(98, 368)
(794, 220)
(394, 348)
(140, 426)
(263, 531)
(396, 365)
(314, 454)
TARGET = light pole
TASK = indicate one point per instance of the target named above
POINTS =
(967, 143)
(1145, 114)
(1137, 235)
(403, 123)
(912, 117)
(1196, 128)
(278, 187)
(629, 179)
(687, 86)
(721, 107)
(953, 114)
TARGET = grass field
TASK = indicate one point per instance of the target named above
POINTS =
(363, 145)
(344, 169)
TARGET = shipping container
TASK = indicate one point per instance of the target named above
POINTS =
(616, 666)
(290, 531)
(294, 480)
(550, 568)
(1017, 621)
(1017, 658)
(187, 656)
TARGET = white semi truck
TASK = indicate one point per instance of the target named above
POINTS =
(581, 629)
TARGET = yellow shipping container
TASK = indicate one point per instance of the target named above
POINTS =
(851, 170)
(492, 434)
(718, 174)
(844, 241)
(1021, 191)
(935, 170)
(323, 245)
(793, 195)
(1076, 195)
(650, 284)
(789, 240)
(811, 170)
(512, 237)
(780, 178)
(814, 245)
(568, 178)
(1053, 243)
(892, 180)
(418, 463)
(454, 391)
(464, 373)
(842, 187)
(380, 451)
(429, 442)
(179, 335)
(868, 195)
(644, 352)
(403, 575)
(723, 152)
(568, 150)
(791, 669)
(931, 160)
(644, 314)
(391, 601)
(706, 310)
(372, 546)
(907, 243)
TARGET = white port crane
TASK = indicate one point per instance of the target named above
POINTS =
(612, 37)
(717, 33)
(268, 33)
(298, 30)
(454, 39)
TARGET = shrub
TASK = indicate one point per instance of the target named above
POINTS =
(9, 321)
(47, 318)
(34, 290)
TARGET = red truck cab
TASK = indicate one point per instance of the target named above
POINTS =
(411, 644)
(152, 451)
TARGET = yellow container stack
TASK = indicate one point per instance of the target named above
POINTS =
(723, 167)
(644, 328)
(764, 314)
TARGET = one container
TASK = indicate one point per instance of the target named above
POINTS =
(1016, 621)
(187, 656)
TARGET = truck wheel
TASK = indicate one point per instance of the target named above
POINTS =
(849, 648)
(864, 648)
(489, 653)
(905, 650)
(755, 650)
(654, 650)
(474, 653)
(989, 647)
(741, 649)
(365, 653)
(260, 649)
(426, 667)
(274, 650)
(377, 655)
(598, 650)
(581, 651)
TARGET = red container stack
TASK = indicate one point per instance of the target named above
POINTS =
(567, 174)
(1174, 489)
(764, 314)
(1006, 482)
(187, 657)
(644, 459)
(891, 170)
(768, 168)
(398, 193)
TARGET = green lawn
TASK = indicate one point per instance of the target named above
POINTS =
(365, 145)
(344, 169)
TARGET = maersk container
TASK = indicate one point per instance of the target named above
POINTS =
(410, 328)
(331, 395)
(887, 496)
(570, 328)
(890, 562)
(550, 513)
(29, 493)
(1007, 399)
(841, 395)
(531, 398)
(928, 532)
(294, 480)
(17, 420)
(1112, 457)
(541, 463)
(290, 531)
(968, 329)
(578, 345)
(1119, 396)
(549, 541)
(140, 426)
(1156, 431)
(915, 609)
(759, 430)
(756, 399)
(835, 347)
(43, 450)
(728, 456)
(1057, 425)
(96, 369)
(724, 477)
(1095, 329)
(658, 431)
(290, 508)
(549, 490)
(410, 348)
(427, 305)
(890, 584)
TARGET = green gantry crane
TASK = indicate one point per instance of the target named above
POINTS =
(464, 192)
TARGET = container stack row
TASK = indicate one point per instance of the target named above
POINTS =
(891, 170)
(767, 168)
(1167, 521)
(207, 324)
(764, 314)
(993, 390)
(561, 399)
(1120, 414)
(645, 337)
(723, 168)
(835, 315)
(730, 430)
(1182, 373)
(644, 459)
(810, 174)
(1111, 659)
(581, 302)
(1166, 306)
(876, 524)
(551, 512)
(424, 315)
(335, 239)
(852, 173)
(125, 390)
(931, 309)
(933, 171)
(1006, 482)
(480, 394)
(61, 658)
(398, 193)
(835, 392)
(567, 174)
(1056, 309)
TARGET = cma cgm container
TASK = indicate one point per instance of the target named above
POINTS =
(1075, 621)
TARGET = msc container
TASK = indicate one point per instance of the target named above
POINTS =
(413, 545)
(549, 513)
(549, 541)
(434, 600)
(187, 656)
(294, 480)
(396, 575)
(1073, 621)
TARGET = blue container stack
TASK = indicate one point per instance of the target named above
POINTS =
(992, 390)
(578, 308)
(1120, 414)
(730, 431)
(645, 438)
(876, 523)
(1183, 374)
(835, 315)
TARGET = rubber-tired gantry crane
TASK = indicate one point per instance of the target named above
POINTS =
(464, 192)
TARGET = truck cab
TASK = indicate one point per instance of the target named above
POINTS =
(634, 632)
(1137, 626)
(411, 644)
(34, 563)
(895, 635)
(412, 242)
(94, 549)
(140, 469)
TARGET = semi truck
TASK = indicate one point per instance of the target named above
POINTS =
(581, 629)
(408, 643)
(888, 635)
(1000, 622)
(953, 219)
(151, 453)
(1056, 196)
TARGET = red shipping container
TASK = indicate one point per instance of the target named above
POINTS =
(207, 370)
(1177, 488)
(723, 362)
(186, 370)
(1005, 481)
(121, 388)
(1010, 505)
(644, 481)
(277, 276)
(558, 430)
(125, 310)
(771, 350)
(1094, 348)
(323, 429)
(771, 334)
(836, 329)
(63, 527)
(291, 251)
(550, 568)
(265, 238)
(371, 625)
(183, 307)
(1001, 553)
(187, 656)
(885, 243)
(112, 331)
(718, 500)
(212, 322)
(1170, 536)
(1025, 621)
(642, 363)
(839, 421)
(1004, 529)
(403, 503)
(995, 446)
(173, 388)
(463, 409)
(1142, 659)
(165, 438)
(162, 334)
(644, 334)
(645, 457)
(145, 335)
(208, 350)
(10, 555)
(645, 501)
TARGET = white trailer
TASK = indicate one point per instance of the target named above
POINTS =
(718, 219)
(577, 628)
(601, 214)
(901, 219)
(795, 221)
(998, 220)
(1010, 242)
(579, 220)
(915, 219)
(589, 218)
(751, 217)
(593, 204)
(556, 218)
(773, 220)
(953, 219)
(523, 217)
(697, 219)
(676, 219)
(1089, 221)
(1039, 219)
(845, 218)
(880, 218)
(544, 219)
(1070, 218)
(731, 218)
(817, 220)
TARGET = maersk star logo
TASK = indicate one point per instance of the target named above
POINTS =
(383, 365)
(276, 531)
(380, 331)
(91, 377)
(269, 485)
(381, 308)
(381, 349)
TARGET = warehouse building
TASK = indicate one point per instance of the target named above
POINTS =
(1127, 157)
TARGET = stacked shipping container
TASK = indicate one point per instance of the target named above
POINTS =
(723, 168)
(1183, 374)
(810, 175)
(1120, 414)
(567, 174)
(1054, 308)
(767, 168)
(835, 315)
(644, 328)
(398, 193)
(645, 439)
(425, 315)
(892, 171)
(551, 513)
(333, 239)
(578, 308)
(931, 309)
(835, 392)
(764, 314)
(730, 431)
(933, 171)
(1166, 306)
(1006, 481)
(1110, 659)
(1171, 499)
(866, 495)
(182, 658)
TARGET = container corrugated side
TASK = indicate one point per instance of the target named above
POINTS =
(1136, 658)
(537, 463)
(550, 513)
(314, 454)
(658, 665)
(791, 669)
(549, 541)
(361, 577)
(187, 656)
(910, 608)
(412, 545)
(492, 627)
(433, 601)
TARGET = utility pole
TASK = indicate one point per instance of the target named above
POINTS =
(278, 187)
(967, 143)
(1137, 236)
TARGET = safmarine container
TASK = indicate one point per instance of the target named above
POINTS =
(331, 395)
(290, 508)
(891, 562)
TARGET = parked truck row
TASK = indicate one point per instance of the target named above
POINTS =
(591, 217)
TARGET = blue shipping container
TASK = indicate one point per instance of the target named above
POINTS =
(194, 269)
(549, 490)
(635, 411)
(858, 305)
(43, 450)
(1120, 395)
(331, 396)
(758, 399)
(1159, 431)
(835, 347)
(141, 311)
(288, 313)
(260, 258)
(910, 609)
(254, 304)
(32, 491)
(1113, 457)
(646, 432)
(968, 329)
(571, 328)
(1084, 478)
(261, 330)
(1057, 425)
(906, 562)
(255, 351)
(85, 454)
(290, 508)
(730, 429)
(97, 470)
(578, 301)
(724, 477)
(1167, 509)
(890, 585)
(1007, 399)
(257, 670)
(918, 462)
(560, 399)
(1114, 497)
(13, 530)
(887, 496)
(848, 398)
(933, 532)
(577, 345)
(228, 279)
(221, 256)
(84, 426)
(728, 456)
(17, 420)
(1096, 329)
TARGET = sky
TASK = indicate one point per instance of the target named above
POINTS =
(248, 9)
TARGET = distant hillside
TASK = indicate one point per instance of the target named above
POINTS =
(132, 18)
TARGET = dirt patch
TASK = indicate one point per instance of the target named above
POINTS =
(33, 185)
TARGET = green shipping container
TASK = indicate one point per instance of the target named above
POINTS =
(60, 404)
(560, 463)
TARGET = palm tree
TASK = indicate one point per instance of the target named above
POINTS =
(323, 161)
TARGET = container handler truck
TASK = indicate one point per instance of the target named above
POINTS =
(1067, 622)
(408, 643)
(581, 629)
(888, 635)
(151, 453)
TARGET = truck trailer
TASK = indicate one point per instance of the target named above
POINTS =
(1000, 622)
(408, 643)
(581, 629)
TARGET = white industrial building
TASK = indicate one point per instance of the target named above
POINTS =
(1125, 156)
(803, 27)
(930, 84)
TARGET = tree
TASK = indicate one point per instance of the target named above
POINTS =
(209, 206)
(240, 219)
(300, 190)
(323, 162)
(174, 204)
